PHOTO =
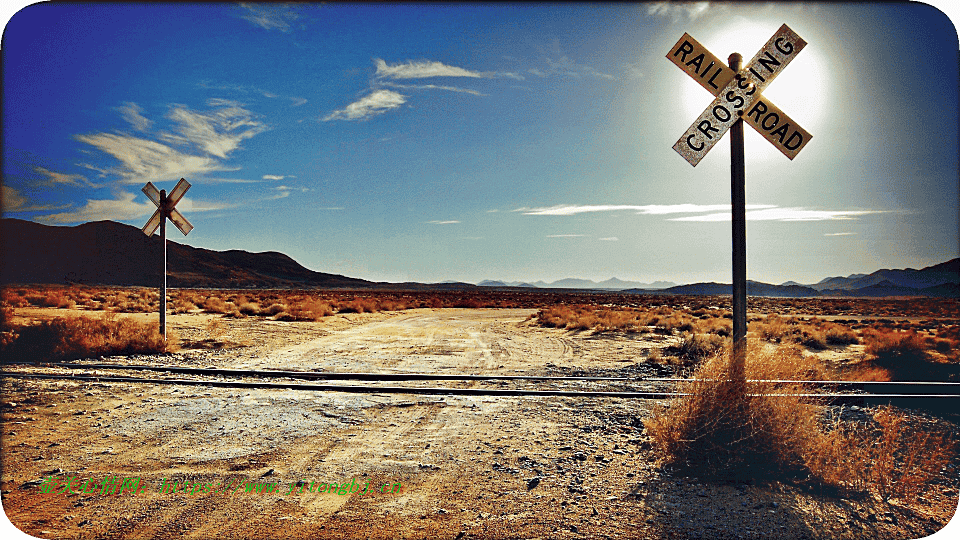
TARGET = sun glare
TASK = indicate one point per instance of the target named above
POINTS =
(801, 90)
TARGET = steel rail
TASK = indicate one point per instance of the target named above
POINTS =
(332, 375)
(950, 387)
(440, 391)
(344, 388)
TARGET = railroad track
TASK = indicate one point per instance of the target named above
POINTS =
(629, 387)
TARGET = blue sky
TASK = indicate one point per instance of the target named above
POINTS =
(469, 142)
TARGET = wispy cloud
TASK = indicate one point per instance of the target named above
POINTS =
(273, 177)
(436, 222)
(249, 89)
(217, 132)
(566, 235)
(678, 10)
(435, 87)
(610, 239)
(143, 160)
(569, 210)
(66, 179)
(14, 201)
(559, 64)
(132, 113)
(426, 69)
(214, 133)
(369, 106)
(270, 16)
(786, 214)
(123, 207)
(840, 234)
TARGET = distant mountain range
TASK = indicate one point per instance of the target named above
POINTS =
(573, 283)
(110, 253)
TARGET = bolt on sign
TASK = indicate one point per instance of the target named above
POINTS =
(737, 95)
(166, 209)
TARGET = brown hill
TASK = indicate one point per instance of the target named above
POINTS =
(110, 253)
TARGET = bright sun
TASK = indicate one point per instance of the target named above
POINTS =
(801, 90)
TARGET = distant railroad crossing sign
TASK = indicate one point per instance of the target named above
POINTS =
(737, 95)
(165, 205)
(166, 209)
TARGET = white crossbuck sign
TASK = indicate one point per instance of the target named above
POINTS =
(165, 207)
(738, 95)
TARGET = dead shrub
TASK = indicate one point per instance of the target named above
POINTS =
(215, 304)
(903, 353)
(249, 308)
(734, 428)
(697, 347)
(273, 309)
(68, 338)
(836, 334)
(181, 305)
(724, 428)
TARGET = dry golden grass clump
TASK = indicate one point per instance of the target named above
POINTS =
(815, 334)
(736, 429)
(68, 338)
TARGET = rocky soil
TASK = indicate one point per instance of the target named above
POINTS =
(468, 467)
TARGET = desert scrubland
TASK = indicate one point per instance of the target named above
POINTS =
(720, 463)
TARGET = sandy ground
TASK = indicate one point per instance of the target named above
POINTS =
(462, 467)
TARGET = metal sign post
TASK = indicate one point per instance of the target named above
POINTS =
(737, 97)
(166, 209)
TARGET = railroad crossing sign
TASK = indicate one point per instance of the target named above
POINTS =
(166, 209)
(737, 95)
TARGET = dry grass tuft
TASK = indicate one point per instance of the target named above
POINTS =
(727, 428)
(722, 428)
(68, 338)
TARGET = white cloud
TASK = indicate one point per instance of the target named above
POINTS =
(215, 132)
(273, 177)
(785, 214)
(13, 201)
(435, 87)
(142, 160)
(426, 69)
(840, 234)
(188, 205)
(560, 64)
(125, 207)
(297, 101)
(270, 16)
(376, 103)
(435, 222)
(566, 235)
(610, 239)
(569, 210)
(677, 10)
(61, 178)
(121, 208)
(131, 112)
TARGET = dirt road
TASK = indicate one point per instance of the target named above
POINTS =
(417, 467)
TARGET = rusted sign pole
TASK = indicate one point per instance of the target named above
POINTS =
(739, 232)
(166, 210)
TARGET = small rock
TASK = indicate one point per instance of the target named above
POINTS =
(533, 482)
(268, 473)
